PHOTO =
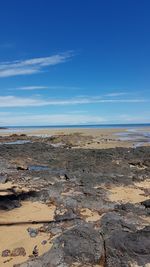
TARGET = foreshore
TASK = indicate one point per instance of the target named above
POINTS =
(95, 138)
(75, 198)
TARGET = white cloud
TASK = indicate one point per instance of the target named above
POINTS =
(34, 87)
(31, 66)
(67, 119)
(39, 87)
(59, 119)
(116, 94)
(14, 101)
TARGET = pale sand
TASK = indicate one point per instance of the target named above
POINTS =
(97, 134)
(132, 194)
(58, 131)
(28, 212)
(89, 215)
(136, 265)
(9, 188)
(86, 131)
(16, 236)
(77, 264)
(144, 184)
(4, 189)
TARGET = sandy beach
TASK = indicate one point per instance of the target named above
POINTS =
(96, 138)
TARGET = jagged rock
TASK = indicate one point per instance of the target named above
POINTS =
(82, 243)
(35, 252)
(22, 168)
(9, 204)
(124, 248)
(124, 244)
(146, 203)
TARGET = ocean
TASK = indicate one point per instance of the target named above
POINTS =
(15, 129)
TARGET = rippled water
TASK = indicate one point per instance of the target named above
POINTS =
(18, 142)
(135, 135)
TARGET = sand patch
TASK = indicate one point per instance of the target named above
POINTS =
(146, 220)
(144, 184)
(28, 212)
(77, 264)
(126, 194)
(89, 215)
(16, 236)
(9, 188)
(136, 265)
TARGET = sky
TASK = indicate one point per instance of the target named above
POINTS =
(74, 62)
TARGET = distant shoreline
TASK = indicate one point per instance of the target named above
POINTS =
(129, 136)
(79, 126)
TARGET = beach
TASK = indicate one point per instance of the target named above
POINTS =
(75, 197)
(94, 138)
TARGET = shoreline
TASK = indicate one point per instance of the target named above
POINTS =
(92, 138)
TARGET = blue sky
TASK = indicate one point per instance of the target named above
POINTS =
(74, 62)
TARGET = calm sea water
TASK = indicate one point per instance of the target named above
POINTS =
(83, 126)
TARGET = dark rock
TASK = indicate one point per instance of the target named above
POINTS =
(123, 247)
(22, 168)
(9, 204)
(82, 243)
(68, 215)
(55, 231)
(113, 221)
(137, 209)
(146, 203)
(123, 242)
(3, 179)
(66, 177)
(35, 252)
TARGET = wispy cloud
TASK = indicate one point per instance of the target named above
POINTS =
(67, 119)
(14, 101)
(30, 88)
(58, 119)
(116, 94)
(31, 66)
(40, 87)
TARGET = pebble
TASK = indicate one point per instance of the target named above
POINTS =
(32, 232)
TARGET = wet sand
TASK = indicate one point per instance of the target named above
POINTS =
(100, 138)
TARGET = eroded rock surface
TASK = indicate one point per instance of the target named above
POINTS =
(97, 204)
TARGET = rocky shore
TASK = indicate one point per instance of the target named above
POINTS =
(66, 206)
